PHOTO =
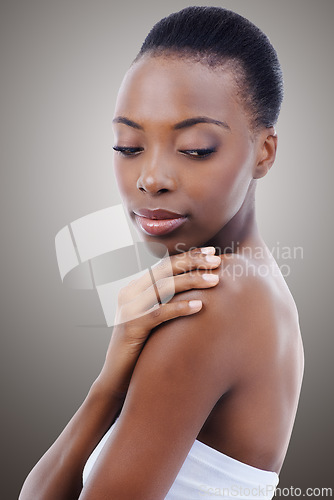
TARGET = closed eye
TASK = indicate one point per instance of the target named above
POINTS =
(198, 153)
(127, 151)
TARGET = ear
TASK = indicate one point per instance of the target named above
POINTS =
(267, 146)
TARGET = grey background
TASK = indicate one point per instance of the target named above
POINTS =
(61, 65)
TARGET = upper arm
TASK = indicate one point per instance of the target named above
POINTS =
(184, 368)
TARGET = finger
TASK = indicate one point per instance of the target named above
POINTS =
(166, 312)
(158, 314)
(174, 265)
(166, 288)
(184, 262)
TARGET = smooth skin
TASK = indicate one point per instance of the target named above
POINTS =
(228, 373)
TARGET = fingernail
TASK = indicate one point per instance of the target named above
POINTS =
(211, 278)
(213, 259)
(208, 250)
(195, 304)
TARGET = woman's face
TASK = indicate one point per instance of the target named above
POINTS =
(183, 145)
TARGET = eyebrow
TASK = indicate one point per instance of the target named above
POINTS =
(126, 121)
(189, 122)
(200, 119)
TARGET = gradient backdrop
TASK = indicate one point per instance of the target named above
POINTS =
(61, 65)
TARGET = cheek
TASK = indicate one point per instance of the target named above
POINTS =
(235, 183)
(223, 191)
(126, 179)
(236, 172)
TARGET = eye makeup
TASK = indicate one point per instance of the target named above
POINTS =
(128, 151)
(200, 153)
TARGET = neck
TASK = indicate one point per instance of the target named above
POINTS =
(242, 230)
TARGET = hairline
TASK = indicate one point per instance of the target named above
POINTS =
(213, 62)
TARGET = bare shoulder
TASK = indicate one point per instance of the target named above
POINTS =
(255, 319)
(250, 310)
(259, 294)
(246, 285)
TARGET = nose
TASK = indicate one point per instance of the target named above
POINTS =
(156, 177)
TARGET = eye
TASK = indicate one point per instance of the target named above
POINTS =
(198, 153)
(127, 151)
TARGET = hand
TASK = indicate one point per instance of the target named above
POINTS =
(138, 312)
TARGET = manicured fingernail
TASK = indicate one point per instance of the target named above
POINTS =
(213, 259)
(195, 304)
(208, 250)
(211, 278)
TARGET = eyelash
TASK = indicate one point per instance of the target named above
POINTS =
(199, 153)
(125, 151)
(192, 153)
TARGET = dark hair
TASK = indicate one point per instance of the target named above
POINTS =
(219, 37)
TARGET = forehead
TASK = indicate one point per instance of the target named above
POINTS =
(171, 89)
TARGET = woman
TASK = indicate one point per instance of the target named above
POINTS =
(198, 396)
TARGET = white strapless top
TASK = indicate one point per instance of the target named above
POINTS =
(208, 473)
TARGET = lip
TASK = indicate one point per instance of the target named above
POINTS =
(157, 213)
(158, 222)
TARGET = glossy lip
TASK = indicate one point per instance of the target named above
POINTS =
(157, 213)
(158, 222)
